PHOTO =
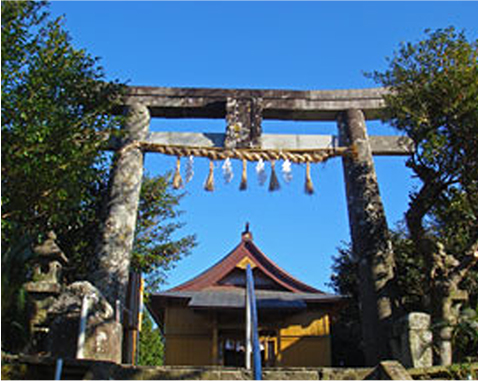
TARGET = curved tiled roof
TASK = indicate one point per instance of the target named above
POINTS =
(246, 249)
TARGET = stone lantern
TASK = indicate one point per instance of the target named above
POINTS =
(44, 287)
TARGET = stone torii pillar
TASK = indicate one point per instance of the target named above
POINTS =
(371, 244)
(116, 241)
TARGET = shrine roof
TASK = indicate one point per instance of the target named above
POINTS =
(222, 286)
(246, 253)
(234, 298)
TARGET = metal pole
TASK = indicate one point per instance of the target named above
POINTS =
(58, 368)
(248, 331)
(82, 328)
(256, 350)
(118, 311)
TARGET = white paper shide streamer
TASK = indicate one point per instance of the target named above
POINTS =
(189, 169)
(227, 171)
(287, 171)
(261, 172)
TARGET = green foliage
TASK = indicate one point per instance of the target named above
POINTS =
(55, 116)
(414, 295)
(15, 371)
(434, 99)
(413, 289)
(463, 371)
(346, 331)
(14, 307)
(465, 336)
(150, 343)
(155, 250)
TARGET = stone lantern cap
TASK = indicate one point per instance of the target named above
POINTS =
(50, 251)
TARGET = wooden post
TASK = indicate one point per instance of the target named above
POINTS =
(215, 340)
(131, 318)
(116, 242)
(371, 242)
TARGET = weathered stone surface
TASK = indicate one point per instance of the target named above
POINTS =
(103, 333)
(418, 320)
(371, 242)
(116, 243)
(389, 370)
(291, 374)
(343, 373)
(44, 287)
(243, 117)
(412, 340)
(170, 102)
(380, 145)
(42, 368)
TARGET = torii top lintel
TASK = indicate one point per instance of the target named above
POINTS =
(320, 105)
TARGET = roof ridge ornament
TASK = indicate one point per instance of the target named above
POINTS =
(246, 234)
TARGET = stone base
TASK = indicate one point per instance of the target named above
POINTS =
(103, 334)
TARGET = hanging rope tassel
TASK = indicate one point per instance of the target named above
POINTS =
(243, 185)
(309, 186)
(274, 183)
(177, 180)
(209, 186)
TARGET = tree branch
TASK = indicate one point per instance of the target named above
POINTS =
(471, 258)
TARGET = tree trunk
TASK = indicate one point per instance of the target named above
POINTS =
(443, 319)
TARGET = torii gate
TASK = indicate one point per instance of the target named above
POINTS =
(244, 111)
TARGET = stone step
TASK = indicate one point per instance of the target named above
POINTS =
(43, 368)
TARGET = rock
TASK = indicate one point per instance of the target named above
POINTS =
(412, 343)
(103, 333)
(389, 370)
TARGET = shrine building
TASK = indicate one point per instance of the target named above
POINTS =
(203, 319)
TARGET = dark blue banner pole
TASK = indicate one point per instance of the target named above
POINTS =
(256, 350)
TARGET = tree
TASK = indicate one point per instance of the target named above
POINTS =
(57, 113)
(433, 98)
(414, 290)
(347, 345)
(14, 301)
(155, 251)
(411, 288)
(150, 343)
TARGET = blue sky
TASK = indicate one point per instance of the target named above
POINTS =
(278, 45)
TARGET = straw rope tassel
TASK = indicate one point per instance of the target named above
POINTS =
(274, 182)
(209, 186)
(177, 180)
(309, 186)
(243, 185)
